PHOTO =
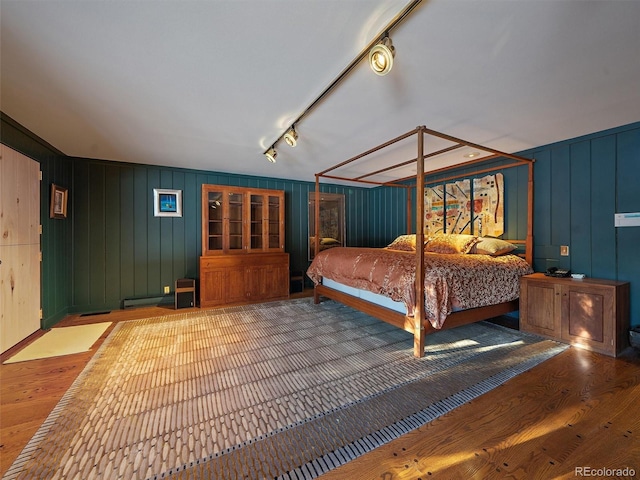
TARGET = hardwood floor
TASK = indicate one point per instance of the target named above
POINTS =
(577, 410)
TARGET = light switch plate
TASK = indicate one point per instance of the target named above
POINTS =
(564, 250)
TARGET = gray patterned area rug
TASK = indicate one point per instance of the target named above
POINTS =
(278, 390)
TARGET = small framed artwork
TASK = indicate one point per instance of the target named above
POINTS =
(59, 196)
(167, 203)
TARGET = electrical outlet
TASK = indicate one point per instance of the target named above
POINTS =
(167, 289)
(564, 250)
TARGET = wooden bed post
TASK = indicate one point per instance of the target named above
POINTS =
(409, 229)
(316, 236)
(419, 313)
(529, 241)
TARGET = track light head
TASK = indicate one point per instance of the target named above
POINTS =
(291, 137)
(381, 56)
(271, 155)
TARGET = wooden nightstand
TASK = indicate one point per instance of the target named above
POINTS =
(589, 313)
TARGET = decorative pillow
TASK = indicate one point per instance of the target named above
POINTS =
(450, 243)
(492, 246)
(329, 241)
(406, 243)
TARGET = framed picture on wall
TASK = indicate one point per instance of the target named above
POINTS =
(167, 203)
(59, 196)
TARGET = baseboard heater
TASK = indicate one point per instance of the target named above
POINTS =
(147, 301)
(89, 314)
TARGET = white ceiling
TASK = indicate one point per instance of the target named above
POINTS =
(211, 84)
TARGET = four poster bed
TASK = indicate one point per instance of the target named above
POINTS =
(423, 283)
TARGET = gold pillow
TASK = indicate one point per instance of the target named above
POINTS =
(329, 241)
(450, 243)
(492, 246)
(406, 243)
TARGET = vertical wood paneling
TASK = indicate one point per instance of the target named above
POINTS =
(81, 240)
(97, 234)
(603, 206)
(154, 251)
(127, 232)
(191, 206)
(56, 242)
(628, 200)
(141, 205)
(522, 180)
(297, 226)
(178, 232)
(113, 225)
(560, 200)
(580, 246)
(542, 207)
(354, 217)
(512, 207)
(154, 281)
(166, 241)
(604, 179)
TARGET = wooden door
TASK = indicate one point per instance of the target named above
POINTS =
(259, 280)
(212, 284)
(540, 307)
(235, 287)
(19, 247)
(212, 220)
(256, 222)
(234, 222)
(274, 221)
(281, 279)
(588, 313)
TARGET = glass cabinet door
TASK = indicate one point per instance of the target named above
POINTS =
(235, 221)
(257, 215)
(215, 221)
(274, 221)
(238, 220)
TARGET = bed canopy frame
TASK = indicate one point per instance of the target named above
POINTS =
(417, 324)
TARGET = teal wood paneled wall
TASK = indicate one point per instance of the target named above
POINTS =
(120, 250)
(386, 208)
(56, 292)
(579, 185)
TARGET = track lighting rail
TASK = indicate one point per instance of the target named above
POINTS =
(363, 54)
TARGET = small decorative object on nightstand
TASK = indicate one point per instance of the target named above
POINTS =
(588, 313)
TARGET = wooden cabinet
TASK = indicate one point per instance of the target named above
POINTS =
(243, 258)
(588, 313)
(238, 279)
(241, 220)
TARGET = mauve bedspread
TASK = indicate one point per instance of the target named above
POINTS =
(451, 281)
